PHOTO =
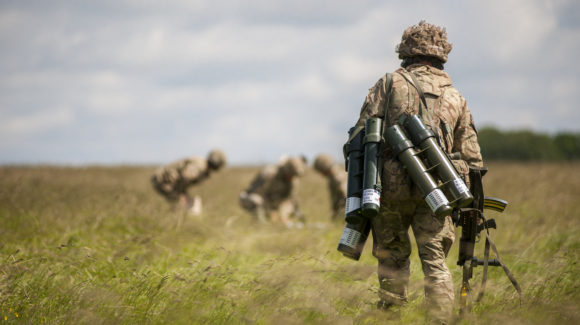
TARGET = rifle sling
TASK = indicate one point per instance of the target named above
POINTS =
(489, 243)
(485, 266)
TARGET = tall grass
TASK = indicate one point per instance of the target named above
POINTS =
(96, 245)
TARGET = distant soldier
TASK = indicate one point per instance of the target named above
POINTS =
(272, 193)
(173, 180)
(337, 176)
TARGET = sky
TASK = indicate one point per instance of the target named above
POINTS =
(149, 82)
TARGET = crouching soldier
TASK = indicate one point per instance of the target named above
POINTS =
(174, 180)
(337, 177)
(272, 194)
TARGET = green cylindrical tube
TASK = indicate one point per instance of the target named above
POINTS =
(424, 138)
(353, 239)
(403, 149)
(355, 159)
(371, 192)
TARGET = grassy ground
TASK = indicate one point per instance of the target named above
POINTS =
(96, 245)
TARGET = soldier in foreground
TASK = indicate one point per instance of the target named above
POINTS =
(419, 87)
(272, 194)
(336, 176)
(174, 180)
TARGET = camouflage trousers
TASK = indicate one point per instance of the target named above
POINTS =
(392, 248)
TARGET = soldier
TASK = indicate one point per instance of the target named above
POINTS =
(337, 176)
(423, 50)
(272, 193)
(173, 180)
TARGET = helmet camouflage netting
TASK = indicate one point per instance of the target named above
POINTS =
(424, 39)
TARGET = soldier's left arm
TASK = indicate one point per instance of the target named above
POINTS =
(465, 137)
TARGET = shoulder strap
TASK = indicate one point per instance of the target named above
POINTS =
(417, 86)
(388, 95)
(385, 119)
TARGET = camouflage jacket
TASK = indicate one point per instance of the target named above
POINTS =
(177, 176)
(447, 114)
(274, 186)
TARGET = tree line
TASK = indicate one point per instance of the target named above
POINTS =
(528, 145)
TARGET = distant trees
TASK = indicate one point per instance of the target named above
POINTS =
(528, 145)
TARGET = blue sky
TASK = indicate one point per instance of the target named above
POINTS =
(146, 82)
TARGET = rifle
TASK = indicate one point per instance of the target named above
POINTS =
(472, 222)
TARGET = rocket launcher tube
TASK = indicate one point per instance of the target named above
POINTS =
(355, 154)
(357, 227)
(403, 149)
(424, 138)
(353, 239)
(371, 191)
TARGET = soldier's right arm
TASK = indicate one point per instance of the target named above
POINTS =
(399, 96)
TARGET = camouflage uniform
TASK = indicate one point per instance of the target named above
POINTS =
(172, 181)
(401, 203)
(272, 193)
(336, 182)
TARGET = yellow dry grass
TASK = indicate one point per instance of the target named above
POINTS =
(96, 245)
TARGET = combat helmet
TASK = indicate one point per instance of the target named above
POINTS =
(323, 163)
(216, 159)
(424, 39)
(293, 166)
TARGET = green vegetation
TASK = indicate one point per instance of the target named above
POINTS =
(96, 245)
(528, 146)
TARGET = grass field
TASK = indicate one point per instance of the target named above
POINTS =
(96, 245)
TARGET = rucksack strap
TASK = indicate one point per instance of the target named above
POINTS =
(415, 83)
(417, 86)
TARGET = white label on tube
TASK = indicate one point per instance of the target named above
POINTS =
(352, 204)
(371, 196)
(350, 237)
(460, 186)
(436, 199)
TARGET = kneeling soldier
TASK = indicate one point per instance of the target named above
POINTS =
(272, 194)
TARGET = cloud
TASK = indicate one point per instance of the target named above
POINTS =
(35, 123)
(516, 29)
